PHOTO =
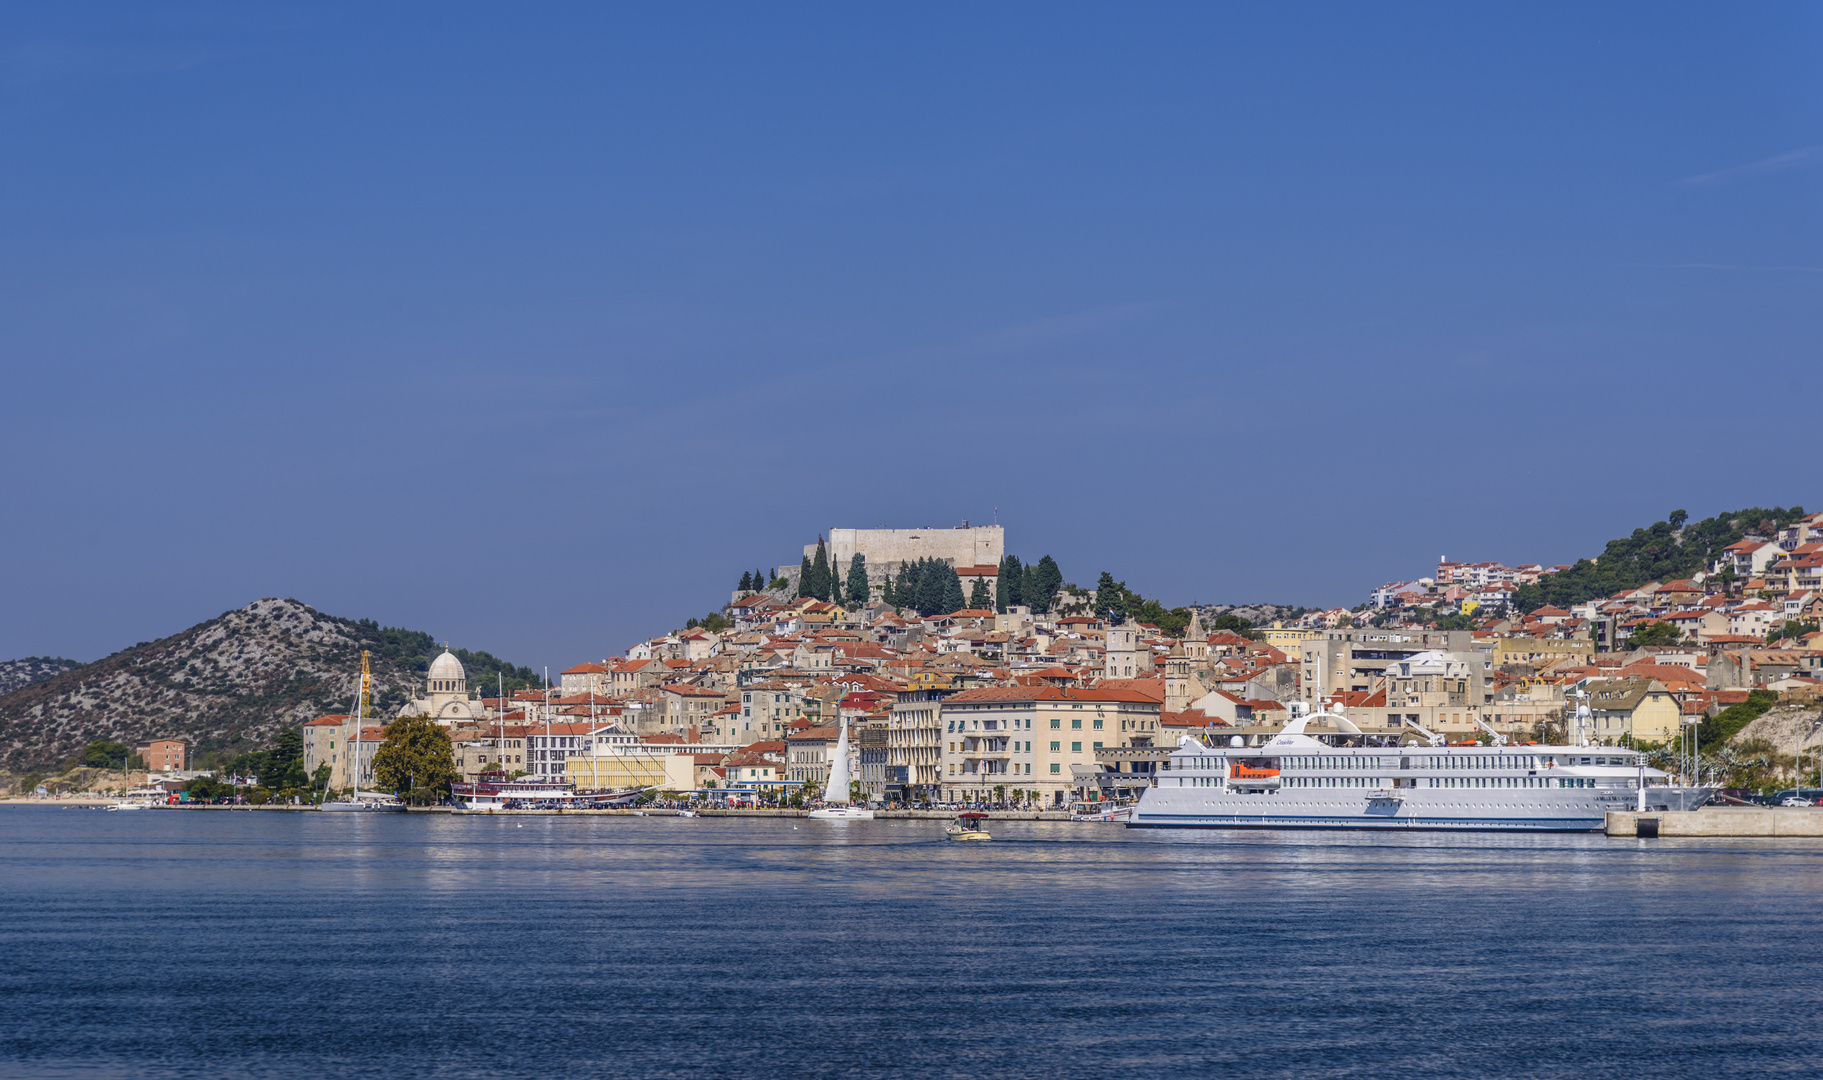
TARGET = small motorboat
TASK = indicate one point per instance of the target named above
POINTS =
(968, 827)
(686, 813)
(841, 812)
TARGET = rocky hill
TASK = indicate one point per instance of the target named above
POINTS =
(17, 673)
(229, 684)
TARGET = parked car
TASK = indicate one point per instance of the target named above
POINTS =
(1804, 796)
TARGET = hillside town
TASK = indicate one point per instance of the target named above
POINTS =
(965, 676)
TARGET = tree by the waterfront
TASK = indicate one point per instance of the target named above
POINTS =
(416, 760)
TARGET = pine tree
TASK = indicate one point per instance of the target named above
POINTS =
(977, 594)
(804, 577)
(746, 584)
(1007, 588)
(819, 572)
(953, 600)
(858, 590)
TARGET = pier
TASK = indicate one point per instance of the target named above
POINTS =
(1717, 821)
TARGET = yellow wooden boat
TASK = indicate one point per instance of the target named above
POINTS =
(968, 827)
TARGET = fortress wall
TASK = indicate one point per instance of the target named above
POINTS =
(979, 545)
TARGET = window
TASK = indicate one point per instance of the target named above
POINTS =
(1097, 746)
(1055, 767)
(1056, 746)
(1098, 725)
(1055, 723)
(1076, 724)
(1075, 748)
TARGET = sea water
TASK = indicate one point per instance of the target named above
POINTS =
(224, 944)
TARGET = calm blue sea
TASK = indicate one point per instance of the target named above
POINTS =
(187, 944)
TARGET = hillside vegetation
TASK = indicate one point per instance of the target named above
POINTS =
(228, 686)
(1665, 551)
(15, 674)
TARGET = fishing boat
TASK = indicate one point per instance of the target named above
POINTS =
(1345, 779)
(968, 828)
(835, 799)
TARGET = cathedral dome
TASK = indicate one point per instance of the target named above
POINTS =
(447, 667)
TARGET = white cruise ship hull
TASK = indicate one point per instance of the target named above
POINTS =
(1496, 811)
(1345, 781)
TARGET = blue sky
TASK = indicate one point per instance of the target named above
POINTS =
(535, 328)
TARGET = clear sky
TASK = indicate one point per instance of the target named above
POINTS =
(533, 326)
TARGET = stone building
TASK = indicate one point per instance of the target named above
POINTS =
(446, 698)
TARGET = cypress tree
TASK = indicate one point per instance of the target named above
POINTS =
(819, 572)
(887, 596)
(746, 584)
(804, 577)
(1008, 589)
(907, 592)
(977, 594)
(953, 600)
(858, 590)
(1041, 584)
(1106, 595)
(760, 580)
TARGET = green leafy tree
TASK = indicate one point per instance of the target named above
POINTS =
(858, 589)
(1673, 548)
(416, 760)
(206, 787)
(1792, 629)
(1649, 635)
(105, 754)
(1007, 587)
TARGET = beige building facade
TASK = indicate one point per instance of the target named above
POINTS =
(1037, 739)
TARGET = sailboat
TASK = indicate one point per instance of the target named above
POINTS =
(835, 799)
(362, 802)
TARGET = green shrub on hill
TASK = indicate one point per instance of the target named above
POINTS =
(1665, 551)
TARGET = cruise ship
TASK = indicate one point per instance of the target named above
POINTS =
(1338, 780)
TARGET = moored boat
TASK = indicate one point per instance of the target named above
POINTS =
(835, 802)
(1347, 780)
(494, 791)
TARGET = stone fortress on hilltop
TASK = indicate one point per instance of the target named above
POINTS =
(964, 547)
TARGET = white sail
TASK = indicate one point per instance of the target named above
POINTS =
(836, 791)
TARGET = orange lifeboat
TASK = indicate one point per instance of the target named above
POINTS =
(1242, 772)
